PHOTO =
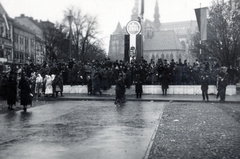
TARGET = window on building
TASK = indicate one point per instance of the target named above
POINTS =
(26, 44)
(1, 30)
(16, 38)
(32, 43)
(171, 56)
(21, 55)
(167, 57)
(162, 56)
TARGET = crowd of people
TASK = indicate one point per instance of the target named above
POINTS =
(48, 79)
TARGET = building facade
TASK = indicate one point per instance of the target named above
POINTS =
(24, 44)
(6, 37)
(160, 40)
(21, 40)
(35, 25)
(116, 44)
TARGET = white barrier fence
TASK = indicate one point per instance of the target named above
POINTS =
(156, 89)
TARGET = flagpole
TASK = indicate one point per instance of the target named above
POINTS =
(200, 31)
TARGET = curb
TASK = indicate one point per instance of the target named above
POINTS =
(146, 154)
(112, 98)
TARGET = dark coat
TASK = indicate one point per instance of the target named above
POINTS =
(96, 81)
(204, 84)
(120, 88)
(25, 92)
(165, 81)
(138, 85)
(11, 88)
(57, 84)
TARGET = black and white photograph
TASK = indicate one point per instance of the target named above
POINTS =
(119, 79)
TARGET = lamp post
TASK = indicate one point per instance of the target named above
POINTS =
(70, 19)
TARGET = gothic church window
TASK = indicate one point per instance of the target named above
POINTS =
(162, 56)
(167, 57)
(171, 56)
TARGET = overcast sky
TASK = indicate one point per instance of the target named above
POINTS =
(109, 12)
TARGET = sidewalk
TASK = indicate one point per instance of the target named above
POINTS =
(146, 97)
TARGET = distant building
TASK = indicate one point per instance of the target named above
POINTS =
(160, 40)
(24, 44)
(35, 25)
(6, 37)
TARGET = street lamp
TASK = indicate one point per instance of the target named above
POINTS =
(70, 19)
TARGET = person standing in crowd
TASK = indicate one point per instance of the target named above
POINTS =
(165, 82)
(138, 87)
(104, 75)
(96, 81)
(73, 75)
(120, 90)
(89, 85)
(39, 83)
(70, 64)
(60, 83)
(56, 83)
(204, 87)
(25, 89)
(48, 86)
(222, 85)
(32, 82)
(3, 87)
(11, 86)
(232, 72)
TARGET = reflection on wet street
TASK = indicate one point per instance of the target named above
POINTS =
(83, 129)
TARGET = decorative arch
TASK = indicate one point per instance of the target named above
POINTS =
(153, 57)
(167, 57)
(157, 57)
(180, 56)
(171, 56)
(162, 56)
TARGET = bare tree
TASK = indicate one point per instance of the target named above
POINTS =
(223, 41)
(84, 31)
(54, 39)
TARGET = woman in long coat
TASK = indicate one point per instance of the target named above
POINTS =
(120, 90)
(165, 82)
(138, 87)
(222, 84)
(57, 85)
(11, 86)
(49, 88)
(96, 82)
(25, 92)
(39, 83)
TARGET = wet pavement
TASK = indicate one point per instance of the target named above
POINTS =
(80, 129)
(146, 97)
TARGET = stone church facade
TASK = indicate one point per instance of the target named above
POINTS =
(160, 40)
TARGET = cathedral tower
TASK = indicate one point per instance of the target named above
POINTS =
(135, 11)
(157, 16)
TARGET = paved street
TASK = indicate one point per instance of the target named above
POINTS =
(80, 129)
(138, 129)
(198, 130)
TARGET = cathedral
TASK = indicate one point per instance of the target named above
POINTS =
(160, 40)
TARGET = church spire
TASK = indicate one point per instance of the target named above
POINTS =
(118, 29)
(157, 16)
(135, 11)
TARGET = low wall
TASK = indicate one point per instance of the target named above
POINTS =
(156, 89)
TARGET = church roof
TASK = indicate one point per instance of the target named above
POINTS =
(118, 29)
(148, 24)
(163, 40)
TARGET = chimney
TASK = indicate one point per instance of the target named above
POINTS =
(22, 15)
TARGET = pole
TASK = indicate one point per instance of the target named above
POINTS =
(200, 51)
(70, 36)
(70, 43)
